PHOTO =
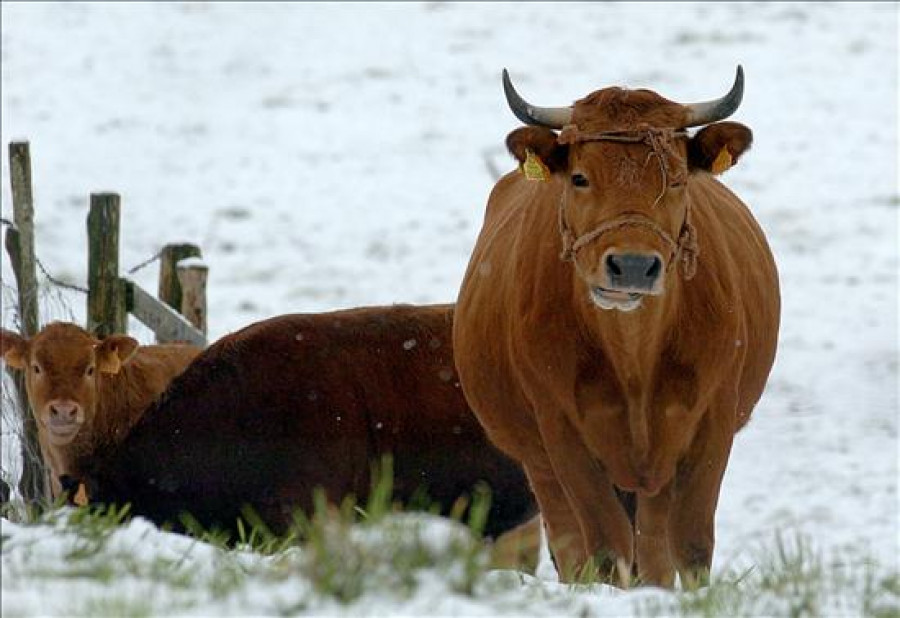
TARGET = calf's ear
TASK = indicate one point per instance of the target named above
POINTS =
(542, 144)
(115, 351)
(718, 146)
(14, 349)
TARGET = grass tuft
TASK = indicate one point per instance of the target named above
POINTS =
(791, 578)
(350, 550)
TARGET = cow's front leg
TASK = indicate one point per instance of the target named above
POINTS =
(563, 529)
(652, 547)
(697, 483)
(605, 526)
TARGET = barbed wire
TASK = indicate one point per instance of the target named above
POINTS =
(57, 282)
(146, 262)
(72, 286)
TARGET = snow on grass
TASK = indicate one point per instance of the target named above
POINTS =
(331, 155)
(75, 563)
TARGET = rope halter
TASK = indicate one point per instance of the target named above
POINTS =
(684, 249)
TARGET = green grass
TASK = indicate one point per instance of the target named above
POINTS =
(790, 578)
(118, 608)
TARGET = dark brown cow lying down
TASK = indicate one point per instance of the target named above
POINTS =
(266, 414)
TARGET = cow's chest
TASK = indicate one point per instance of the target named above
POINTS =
(619, 410)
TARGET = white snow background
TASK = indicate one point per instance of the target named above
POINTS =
(333, 155)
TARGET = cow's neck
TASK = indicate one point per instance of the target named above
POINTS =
(632, 342)
(631, 345)
(63, 458)
(123, 392)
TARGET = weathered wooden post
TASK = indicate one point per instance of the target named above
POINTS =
(192, 275)
(34, 484)
(169, 286)
(106, 292)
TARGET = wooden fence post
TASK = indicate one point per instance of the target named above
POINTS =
(192, 275)
(34, 484)
(169, 287)
(106, 292)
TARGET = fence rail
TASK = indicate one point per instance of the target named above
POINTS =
(168, 324)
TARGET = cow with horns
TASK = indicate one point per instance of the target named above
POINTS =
(617, 324)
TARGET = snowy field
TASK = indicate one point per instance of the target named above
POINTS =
(333, 155)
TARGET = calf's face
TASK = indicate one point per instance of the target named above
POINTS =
(63, 364)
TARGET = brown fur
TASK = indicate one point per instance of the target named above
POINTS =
(267, 414)
(616, 109)
(110, 381)
(623, 420)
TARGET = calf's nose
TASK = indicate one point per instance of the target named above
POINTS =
(632, 271)
(64, 411)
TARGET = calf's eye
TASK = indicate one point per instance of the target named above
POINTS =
(579, 180)
(90, 371)
(36, 369)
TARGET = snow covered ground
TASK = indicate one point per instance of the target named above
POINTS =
(332, 155)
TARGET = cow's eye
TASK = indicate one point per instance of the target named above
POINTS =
(90, 371)
(579, 180)
(36, 369)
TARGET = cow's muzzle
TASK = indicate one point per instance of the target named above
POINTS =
(63, 420)
(639, 273)
(625, 278)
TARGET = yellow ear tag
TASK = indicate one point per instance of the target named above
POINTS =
(534, 168)
(723, 161)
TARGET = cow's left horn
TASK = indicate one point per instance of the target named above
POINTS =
(550, 117)
(713, 111)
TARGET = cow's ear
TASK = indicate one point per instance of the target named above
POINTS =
(541, 143)
(115, 351)
(14, 349)
(717, 147)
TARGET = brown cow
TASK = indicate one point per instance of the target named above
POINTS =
(617, 324)
(267, 414)
(84, 391)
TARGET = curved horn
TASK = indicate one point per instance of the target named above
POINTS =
(719, 109)
(550, 117)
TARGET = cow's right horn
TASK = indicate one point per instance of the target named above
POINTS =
(550, 117)
(700, 114)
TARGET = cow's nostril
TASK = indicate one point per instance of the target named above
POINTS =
(613, 268)
(66, 412)
(653, 271)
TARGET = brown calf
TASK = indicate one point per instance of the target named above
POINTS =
(84, 391)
